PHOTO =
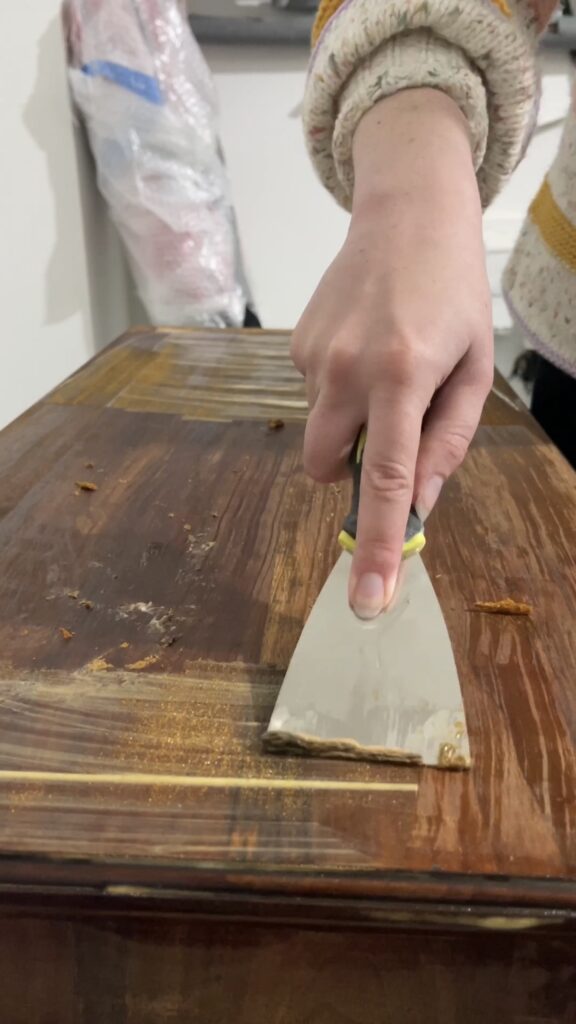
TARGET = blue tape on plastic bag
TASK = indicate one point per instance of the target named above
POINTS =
(143, 85)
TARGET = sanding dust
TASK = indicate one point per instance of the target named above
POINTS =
(507, 606)
(98, 665)
(138, 666)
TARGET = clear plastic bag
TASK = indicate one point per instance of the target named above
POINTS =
(147, 99)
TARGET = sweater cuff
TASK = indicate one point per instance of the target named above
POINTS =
(418, 60)
(477, 53)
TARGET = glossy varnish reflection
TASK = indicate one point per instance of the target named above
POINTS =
(135, 797)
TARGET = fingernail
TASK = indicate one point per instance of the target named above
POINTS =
(429, 496)
(370, 596)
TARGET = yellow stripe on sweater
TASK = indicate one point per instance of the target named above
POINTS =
(556, 229)
(325, 11)
(328, 8)
(503, 6)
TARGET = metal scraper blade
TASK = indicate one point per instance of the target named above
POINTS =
(385, 690)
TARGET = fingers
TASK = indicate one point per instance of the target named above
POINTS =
(332, 428)
(394, 427)
(448, 430)
(338, 410)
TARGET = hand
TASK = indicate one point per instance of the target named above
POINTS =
(398, 335)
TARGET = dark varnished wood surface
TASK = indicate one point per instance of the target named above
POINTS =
(111, 968)
(130, 754)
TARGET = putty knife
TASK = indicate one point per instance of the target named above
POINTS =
(385, 690)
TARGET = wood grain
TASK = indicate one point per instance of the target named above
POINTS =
(155, 864)
(200, 555)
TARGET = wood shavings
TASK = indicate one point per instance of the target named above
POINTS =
(86, 485)
(507, 606)
(137, 666)
(448, 757)
(66, 634)
(274, 425)
(124, 646)
(88, 465)
(99, 665)
(187, 527)
(74, 595)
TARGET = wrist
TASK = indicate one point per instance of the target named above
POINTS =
(415, 142)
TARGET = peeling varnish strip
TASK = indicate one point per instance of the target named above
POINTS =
(208, 782)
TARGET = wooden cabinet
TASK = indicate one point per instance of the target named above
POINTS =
(155, 864)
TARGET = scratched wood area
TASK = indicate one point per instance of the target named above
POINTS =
(145, 626)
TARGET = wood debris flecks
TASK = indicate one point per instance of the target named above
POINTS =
(507, 606)
(88, 465)
(168, 641)
(274, 425)
(88, 605)
(73, 595)
(66, 634)
(137, 666)
(86, 485)
(99, 665)
(124, 645)
(448, 757)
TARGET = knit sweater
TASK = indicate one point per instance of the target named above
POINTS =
(482, 54)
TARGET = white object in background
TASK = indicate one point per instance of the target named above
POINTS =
(147, 98)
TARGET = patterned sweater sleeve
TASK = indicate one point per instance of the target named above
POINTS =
(480, 52)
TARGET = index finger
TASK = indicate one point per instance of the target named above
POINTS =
(386, 492)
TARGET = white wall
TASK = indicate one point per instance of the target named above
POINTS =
(63, 287)
(289, 226)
